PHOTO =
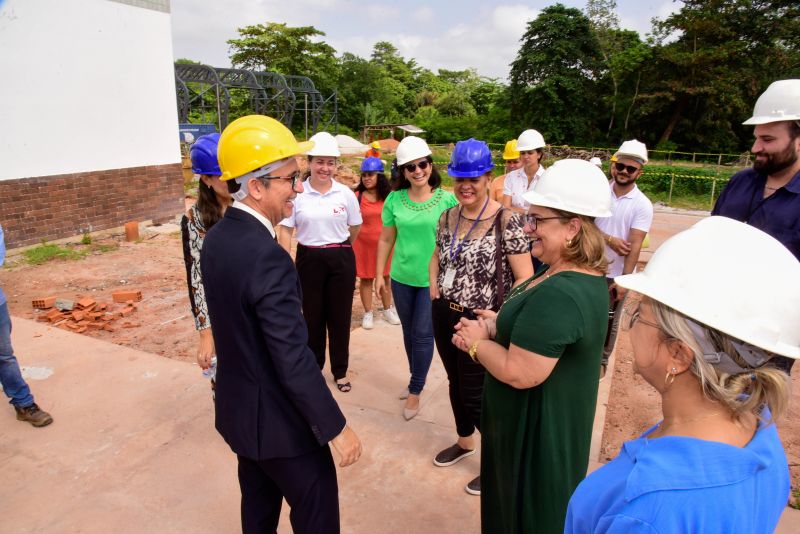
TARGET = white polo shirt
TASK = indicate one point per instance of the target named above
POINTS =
(516, 185)
(632, 211)
(324, 219)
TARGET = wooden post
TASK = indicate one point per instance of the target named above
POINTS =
(671, 185)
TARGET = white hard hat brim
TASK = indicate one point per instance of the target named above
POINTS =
(537, 199)
(766, 119)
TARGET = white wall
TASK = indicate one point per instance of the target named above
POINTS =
(85, 85)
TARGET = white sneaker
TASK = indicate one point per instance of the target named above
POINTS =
(390, 315)
(367, 322)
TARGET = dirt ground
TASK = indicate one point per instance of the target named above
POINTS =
(163, 323)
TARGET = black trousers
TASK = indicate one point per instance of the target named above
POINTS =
(328, 279)
(465, 376)
(307, 482)
(614, 316)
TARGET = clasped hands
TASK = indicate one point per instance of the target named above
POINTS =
(468, 331)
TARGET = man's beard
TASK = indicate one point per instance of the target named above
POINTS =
(775, 163)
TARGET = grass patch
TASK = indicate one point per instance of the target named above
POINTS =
(49, 251)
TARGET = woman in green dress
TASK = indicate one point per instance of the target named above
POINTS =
(542, 354)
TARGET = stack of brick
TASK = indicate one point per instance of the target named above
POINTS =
(86, 313)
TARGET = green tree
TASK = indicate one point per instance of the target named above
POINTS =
(287, 50)
(553, 78)
(726, 52)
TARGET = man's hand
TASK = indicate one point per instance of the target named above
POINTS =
(617, 292)
(348, 446)
(619, 245)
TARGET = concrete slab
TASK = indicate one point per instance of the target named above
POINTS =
(133, 447)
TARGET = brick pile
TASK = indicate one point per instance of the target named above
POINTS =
(88, 314)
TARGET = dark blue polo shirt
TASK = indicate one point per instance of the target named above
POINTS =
(778, 215)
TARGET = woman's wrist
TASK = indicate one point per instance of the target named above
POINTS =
(473, 350)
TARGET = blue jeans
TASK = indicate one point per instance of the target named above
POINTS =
(413, 305)
(11, 379)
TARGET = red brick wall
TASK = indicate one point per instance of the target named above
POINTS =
(55, 207)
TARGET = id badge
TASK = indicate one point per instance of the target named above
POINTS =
(449, 278)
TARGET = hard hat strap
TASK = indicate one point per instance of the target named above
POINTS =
(242, 180)
(753, 356)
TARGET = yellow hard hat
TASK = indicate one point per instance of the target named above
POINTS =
(375, 145)
(510, 152)
(250, 142)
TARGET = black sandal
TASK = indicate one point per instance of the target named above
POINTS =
(344, 388)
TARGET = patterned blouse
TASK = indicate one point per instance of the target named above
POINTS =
(192, 234)
(475, 282)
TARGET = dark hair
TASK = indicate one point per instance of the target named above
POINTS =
(209, 205)
(794, 130)
(434, 181)
(382, 186)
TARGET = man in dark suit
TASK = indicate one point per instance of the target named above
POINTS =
(272, 406)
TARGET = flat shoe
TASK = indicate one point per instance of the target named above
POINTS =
(344, 388)
(451, 455)
(408, 415)
(474, 486)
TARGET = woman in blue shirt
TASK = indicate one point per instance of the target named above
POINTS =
(702, 336)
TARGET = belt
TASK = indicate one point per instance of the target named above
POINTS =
(331, 245)
(455, 306)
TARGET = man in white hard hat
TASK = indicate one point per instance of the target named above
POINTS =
(768, 195)
(624, 231)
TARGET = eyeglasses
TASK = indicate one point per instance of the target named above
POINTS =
(630, 168)
(533, 221)
(411, 167)
(634, 317)
(294, 177)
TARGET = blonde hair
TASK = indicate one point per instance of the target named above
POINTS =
(587, 249)
(742, 393)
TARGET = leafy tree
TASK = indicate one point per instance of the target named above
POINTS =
(553, 78)
(726, 52)
(287, 50)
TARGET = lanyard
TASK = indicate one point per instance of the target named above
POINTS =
(454, 253)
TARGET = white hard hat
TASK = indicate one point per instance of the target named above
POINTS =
(324, 145)
(700, 273)
(780, 102)
(596, 161)
(530, 140)
(573, 185)
(633, 149)
(411, 148)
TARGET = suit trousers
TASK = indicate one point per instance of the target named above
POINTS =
(328, 279)
(465, 377)
(307, 482)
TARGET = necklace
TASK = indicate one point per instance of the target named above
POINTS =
(687, 421)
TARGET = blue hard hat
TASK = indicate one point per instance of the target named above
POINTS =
(470, 159)
(204, 155)
(372, 165)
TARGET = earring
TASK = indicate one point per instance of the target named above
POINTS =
(569, 242)
(670, 378)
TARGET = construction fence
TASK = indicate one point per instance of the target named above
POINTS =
(678, 179)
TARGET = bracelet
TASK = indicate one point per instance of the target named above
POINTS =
(473, 351)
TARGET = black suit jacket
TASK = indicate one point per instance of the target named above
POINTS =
(272, 400)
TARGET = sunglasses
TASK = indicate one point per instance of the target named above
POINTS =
(630, 168)
(533, 221)
(411, 167)
(634, 317)
(294, 177)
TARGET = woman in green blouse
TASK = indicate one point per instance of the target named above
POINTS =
(410, 215)
(542, 364)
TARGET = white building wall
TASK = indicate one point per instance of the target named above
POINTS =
(85, 85)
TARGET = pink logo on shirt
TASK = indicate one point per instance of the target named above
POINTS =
(339, 209)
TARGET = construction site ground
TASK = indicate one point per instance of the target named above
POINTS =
(133, 446)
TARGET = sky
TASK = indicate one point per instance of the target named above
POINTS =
(446, 34)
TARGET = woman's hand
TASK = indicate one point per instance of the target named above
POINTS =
(434, 291)
(206, 349)
(469, 331)
(379, 284)
(491, 320)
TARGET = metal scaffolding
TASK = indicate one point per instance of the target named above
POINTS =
(217, 93)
